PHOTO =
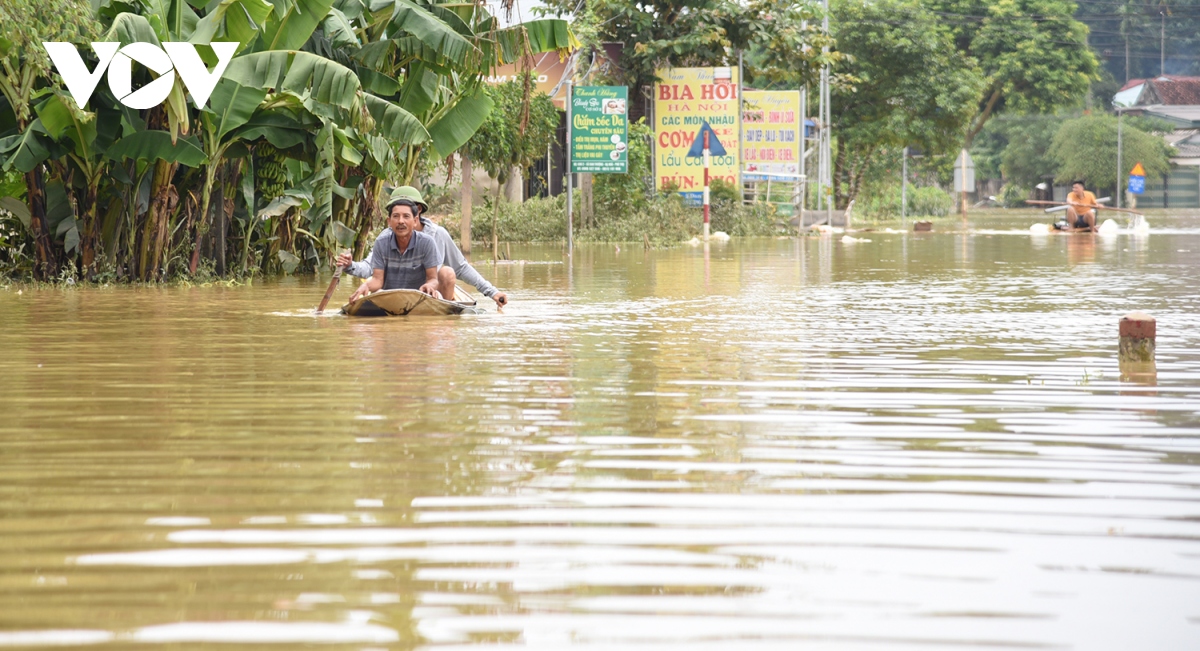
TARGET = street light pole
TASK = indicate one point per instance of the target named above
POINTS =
(1120, 167)
(1162, 44)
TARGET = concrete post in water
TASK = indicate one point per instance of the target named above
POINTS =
(1135, 352)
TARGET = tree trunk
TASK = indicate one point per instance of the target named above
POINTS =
(495, 218)
(839, 167)
(45, 257)
(465, 201)
(163, 199)
(984, 116)
(88, 239)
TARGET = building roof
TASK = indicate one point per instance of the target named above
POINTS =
(1185, 141)
(1169, 90)
(1182, 116)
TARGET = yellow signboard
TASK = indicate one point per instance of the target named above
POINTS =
(683, 101)
(771, 135)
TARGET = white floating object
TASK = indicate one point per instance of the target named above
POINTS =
(1109, 227)
(694, 242)
(720, 236)
(847, 239)
(1039, 229)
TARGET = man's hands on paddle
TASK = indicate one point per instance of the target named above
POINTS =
(344, 259)
(501, 299)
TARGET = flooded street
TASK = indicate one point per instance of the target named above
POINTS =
(913, 442)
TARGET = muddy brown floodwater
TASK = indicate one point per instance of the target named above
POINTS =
(912, 442)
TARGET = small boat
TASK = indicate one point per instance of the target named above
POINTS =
(410, 302)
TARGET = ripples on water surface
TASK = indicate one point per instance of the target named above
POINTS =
(908, 443)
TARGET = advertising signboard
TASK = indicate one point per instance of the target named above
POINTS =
(600, 129)
(771, 135)
(685, 99)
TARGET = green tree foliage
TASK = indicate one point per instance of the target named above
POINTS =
(1033, 54)
(781, 38)
(1086, 148)
(910, 87)
(627, 193)
(517, 131)
(1015, 148)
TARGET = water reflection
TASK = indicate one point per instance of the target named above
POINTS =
(913, 442)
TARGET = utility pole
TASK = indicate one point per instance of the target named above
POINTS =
(1120, 167)
(1125, 35)
(826, 163)
(1162, 44)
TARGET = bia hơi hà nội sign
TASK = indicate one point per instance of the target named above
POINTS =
(600, 129)
(684, 100)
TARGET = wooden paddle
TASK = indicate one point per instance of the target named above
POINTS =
(337, 277)
(1066, 203)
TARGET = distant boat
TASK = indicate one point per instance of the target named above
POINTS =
(410, 302)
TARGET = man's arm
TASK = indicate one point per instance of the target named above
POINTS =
(431, 258)
(372, 285)
(358, 268)
(463, 269)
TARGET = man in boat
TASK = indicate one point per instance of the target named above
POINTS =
(1081, 208)
(454, 265)
(402, 257)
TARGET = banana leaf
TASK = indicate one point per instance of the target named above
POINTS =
(409, 18)
(129, 28)
(233, 20)
(457, 126)
(27, 149)
(234, 105)
(298, 21)
(324, 80)
(420, 90)
(157, 145)
(395, 123)
(339, 31)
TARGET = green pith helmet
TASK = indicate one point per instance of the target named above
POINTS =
(406, 193)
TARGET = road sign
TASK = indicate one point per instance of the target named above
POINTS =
(600, 129)
(714, 146)
(964, 168)
(1137, 179)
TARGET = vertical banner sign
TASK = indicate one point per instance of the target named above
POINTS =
(600, 129)
(685, 99)
(771, 135)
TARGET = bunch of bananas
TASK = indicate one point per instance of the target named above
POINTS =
(270, 174)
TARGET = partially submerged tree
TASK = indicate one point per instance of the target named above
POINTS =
(909, 87)
(1033, 54)
(517, 131)
(1086, 149)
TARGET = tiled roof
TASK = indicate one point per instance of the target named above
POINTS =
(1185, 141)
(1174, 91)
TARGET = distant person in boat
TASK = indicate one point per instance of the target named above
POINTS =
(1081, 208)
(402, 257)
(454, 263)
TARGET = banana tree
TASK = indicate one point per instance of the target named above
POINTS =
(24, 66)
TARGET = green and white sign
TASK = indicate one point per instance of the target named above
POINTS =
(600, 129)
